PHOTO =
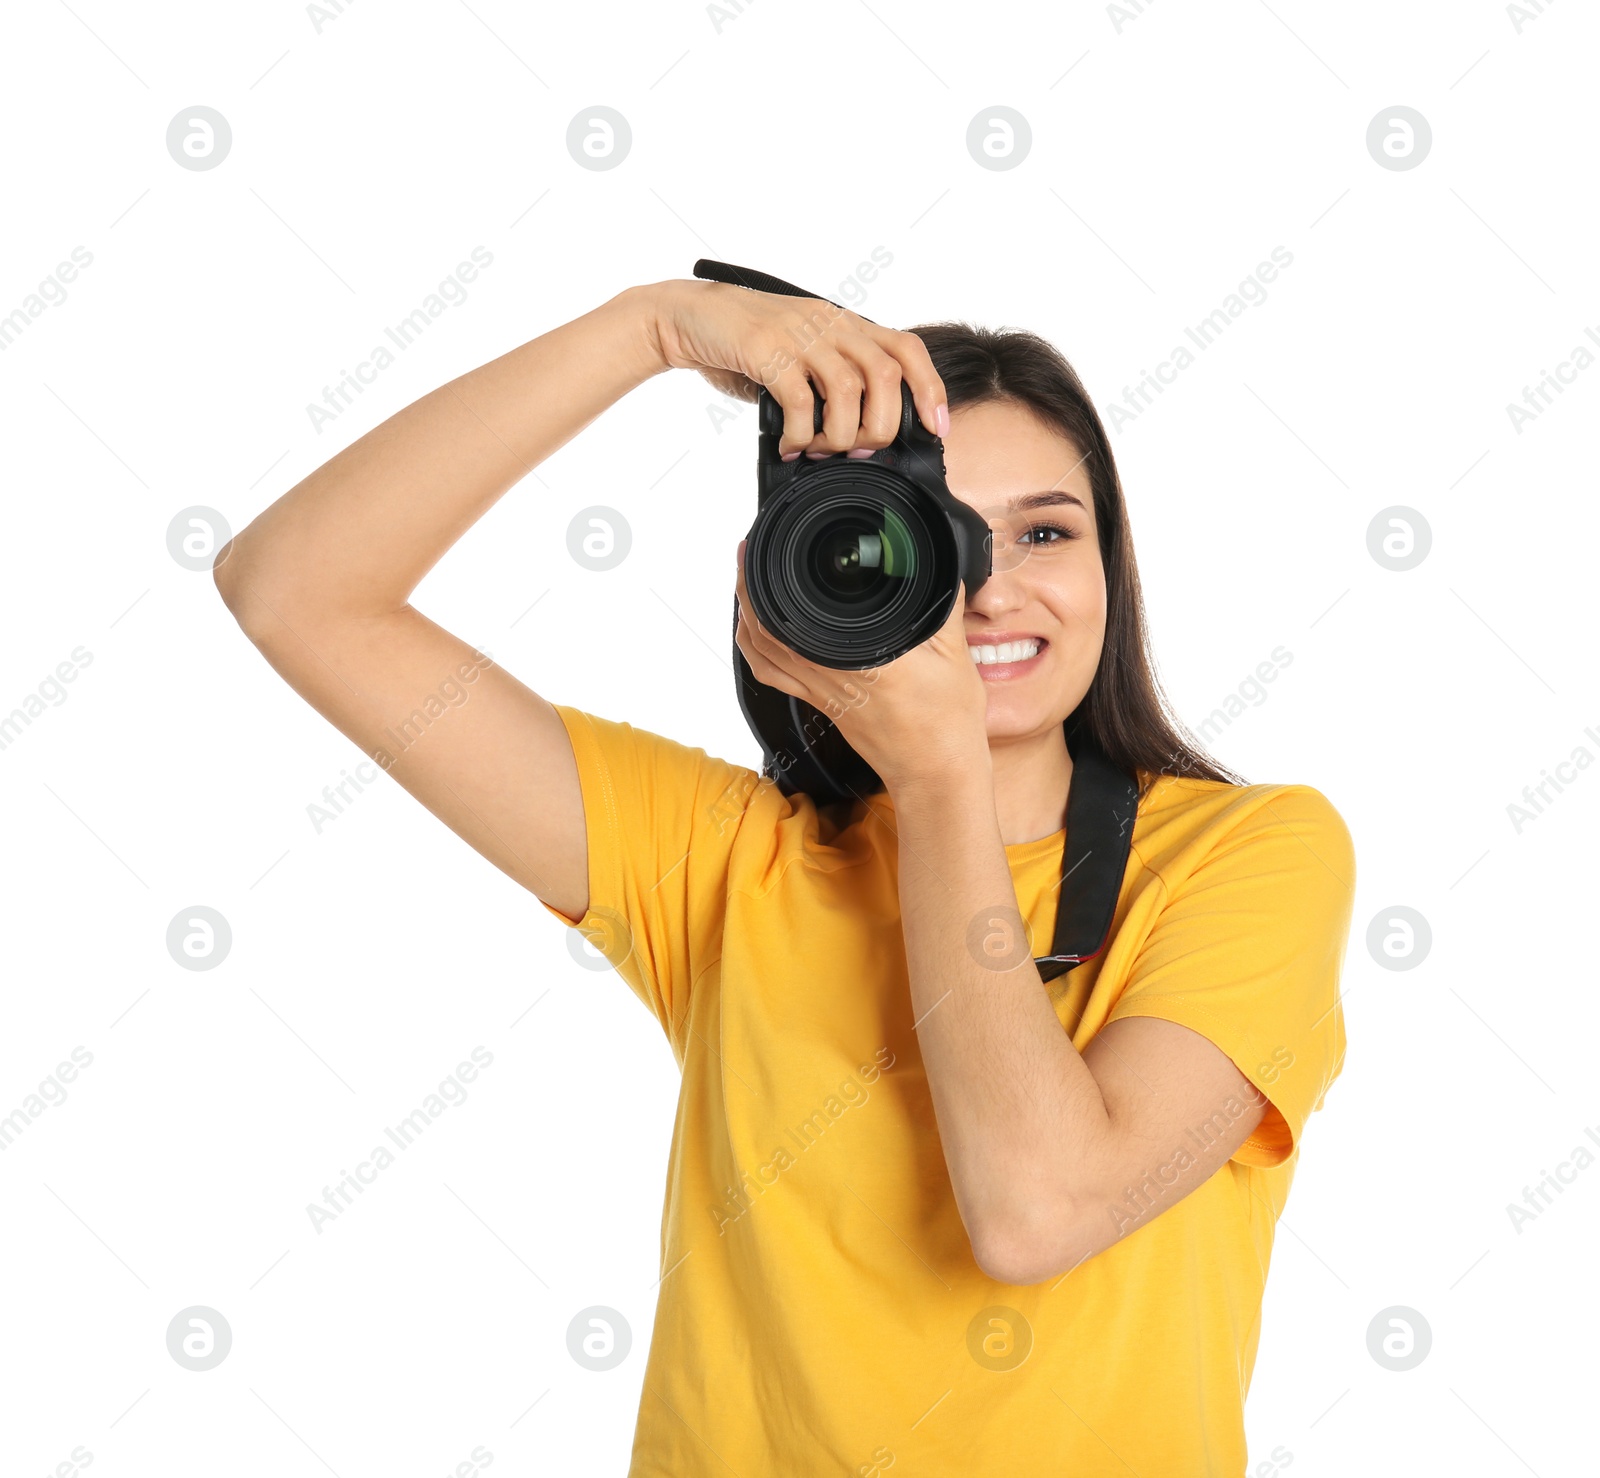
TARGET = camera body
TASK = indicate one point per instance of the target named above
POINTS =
(851, 562)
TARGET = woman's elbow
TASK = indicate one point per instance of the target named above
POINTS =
(1021, 1250)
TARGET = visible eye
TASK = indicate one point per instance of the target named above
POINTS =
(1062, 532)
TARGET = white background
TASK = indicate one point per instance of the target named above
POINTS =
(1171, 151)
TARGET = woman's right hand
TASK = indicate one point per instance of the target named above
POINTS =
(741, 340)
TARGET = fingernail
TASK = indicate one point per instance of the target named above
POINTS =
(790, 456)
(941, 418)
(860, 452)
(816, 456)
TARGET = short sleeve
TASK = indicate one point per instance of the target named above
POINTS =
(1248, 951)
(661, 819)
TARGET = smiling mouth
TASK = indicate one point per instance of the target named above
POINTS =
(1006, 659)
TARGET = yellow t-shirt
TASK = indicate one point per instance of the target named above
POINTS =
(820, 1311)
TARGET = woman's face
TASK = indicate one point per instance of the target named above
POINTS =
(1048, 587)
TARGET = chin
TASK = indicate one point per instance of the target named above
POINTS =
(1013, 720)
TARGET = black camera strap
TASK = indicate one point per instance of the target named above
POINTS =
(760, 282)
(1102, 801)
(1102, 804)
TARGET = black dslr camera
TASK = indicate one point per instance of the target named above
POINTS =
(851, 562)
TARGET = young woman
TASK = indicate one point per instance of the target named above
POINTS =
(926, 1205)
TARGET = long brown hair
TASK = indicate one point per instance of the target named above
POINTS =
(1125, 712)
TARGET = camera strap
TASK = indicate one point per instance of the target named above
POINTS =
(1102, 804)
(760, 282)
(1102, 801)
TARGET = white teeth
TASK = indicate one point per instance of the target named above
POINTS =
(1009, 651)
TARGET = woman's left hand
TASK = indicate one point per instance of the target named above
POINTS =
(920, 717)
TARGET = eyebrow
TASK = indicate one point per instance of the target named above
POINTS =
(1044, 500)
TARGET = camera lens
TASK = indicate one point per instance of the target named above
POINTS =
(854, 557)
(851, 565)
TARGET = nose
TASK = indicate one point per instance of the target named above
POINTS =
(999, 595)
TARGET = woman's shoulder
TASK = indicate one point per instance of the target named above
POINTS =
(1177, 792)
(1181, 816)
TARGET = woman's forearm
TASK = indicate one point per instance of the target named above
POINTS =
(357, 535)
(1015, 1102)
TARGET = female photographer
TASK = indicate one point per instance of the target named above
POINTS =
(925, 1205)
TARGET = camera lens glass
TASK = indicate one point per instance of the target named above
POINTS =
(856, 558)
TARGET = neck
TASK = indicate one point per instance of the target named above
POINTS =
(1031, 777)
